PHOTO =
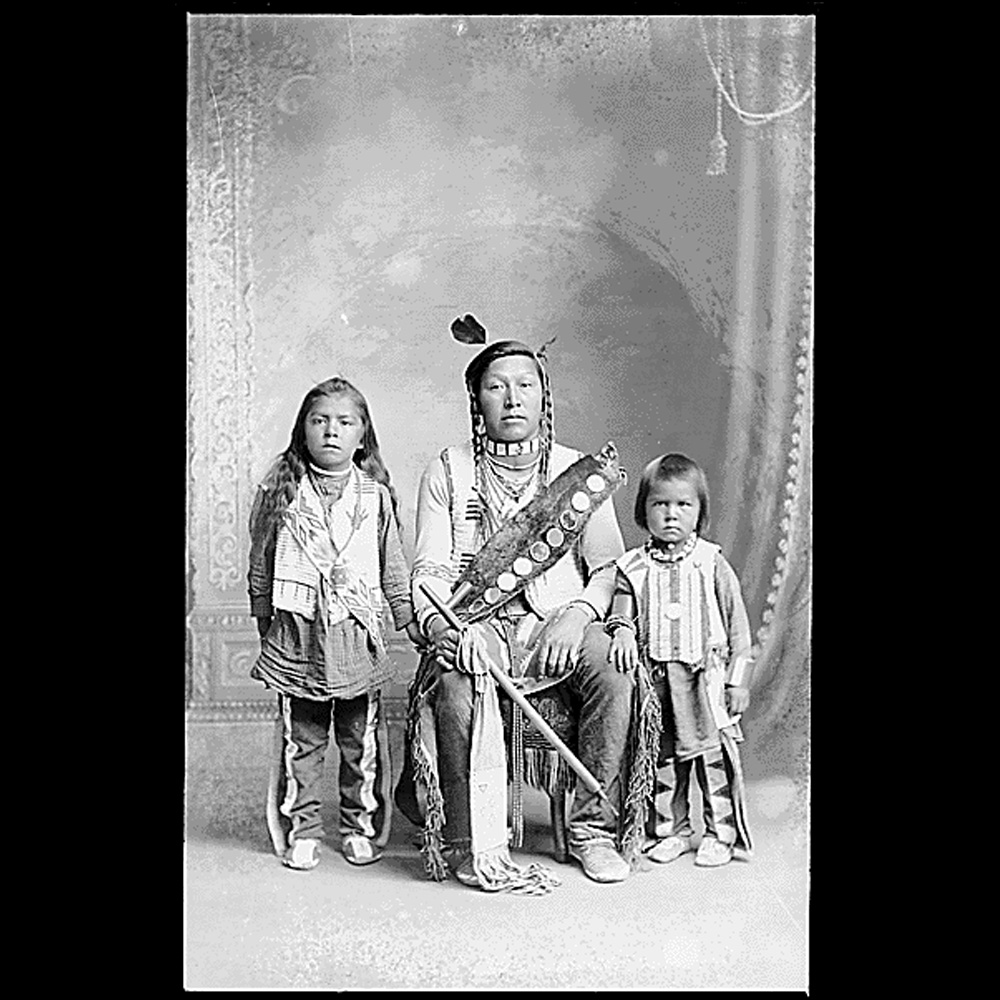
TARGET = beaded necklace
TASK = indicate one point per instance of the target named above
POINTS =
(513, 488)
(502, 494)
(329, 484)
(658, 551)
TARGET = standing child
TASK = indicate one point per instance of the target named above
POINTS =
(325, 548)
(678, 601)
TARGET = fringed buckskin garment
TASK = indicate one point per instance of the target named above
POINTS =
(695, 639)
(323, 579)
(453, 732)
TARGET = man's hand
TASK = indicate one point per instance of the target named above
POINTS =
(415, 636)
(560, 646)
(263, 625)
(737, 698)
(624, 652)
(444, 641)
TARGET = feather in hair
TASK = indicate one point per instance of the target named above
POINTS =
(468, 330)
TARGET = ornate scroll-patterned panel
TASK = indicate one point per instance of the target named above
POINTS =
(220, 331)
(226, 645)
(221, 125)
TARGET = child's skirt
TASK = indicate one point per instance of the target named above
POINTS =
(295, 661)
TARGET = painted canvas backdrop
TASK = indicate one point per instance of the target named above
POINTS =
(357, 183)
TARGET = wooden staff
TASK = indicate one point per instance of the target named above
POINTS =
(529, 710)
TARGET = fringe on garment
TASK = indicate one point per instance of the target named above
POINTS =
(498, 873)
(541, 769)
(644, 745)
(432, 847)
(546, 771)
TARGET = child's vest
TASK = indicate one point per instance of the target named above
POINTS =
(335, 559)
(679, 615)
(562, 583)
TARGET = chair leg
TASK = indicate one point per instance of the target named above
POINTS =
(557, 809)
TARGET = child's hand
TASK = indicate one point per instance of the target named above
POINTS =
(415, 636)
(738, 698)
(624, 652)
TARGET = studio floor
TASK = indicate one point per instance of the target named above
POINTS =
(251, 923)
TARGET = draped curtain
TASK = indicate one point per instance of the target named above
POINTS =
(765, 510)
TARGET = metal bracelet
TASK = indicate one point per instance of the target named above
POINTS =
(616, 622)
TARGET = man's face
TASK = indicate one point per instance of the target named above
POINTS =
(510, 398)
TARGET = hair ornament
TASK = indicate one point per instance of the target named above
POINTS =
(540, 353)
(468, 330)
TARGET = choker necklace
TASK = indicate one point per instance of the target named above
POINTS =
(513, 447)
(327, 472)
(661, 553)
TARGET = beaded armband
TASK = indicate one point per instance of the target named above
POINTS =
(615, 622)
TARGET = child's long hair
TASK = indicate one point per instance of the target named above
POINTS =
(282, 480)
(673, 466)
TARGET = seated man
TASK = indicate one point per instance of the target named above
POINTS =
(465, 495)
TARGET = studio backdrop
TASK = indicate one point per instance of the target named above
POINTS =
(639, 188)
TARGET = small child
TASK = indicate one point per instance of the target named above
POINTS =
(325, 548)
(683, 599)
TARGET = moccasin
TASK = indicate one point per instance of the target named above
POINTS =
(359, 850)
(712, 853)
(302, 855)
(600, 861)
(668, 849)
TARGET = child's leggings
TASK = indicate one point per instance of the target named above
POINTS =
(361, 735)
(670, 815)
